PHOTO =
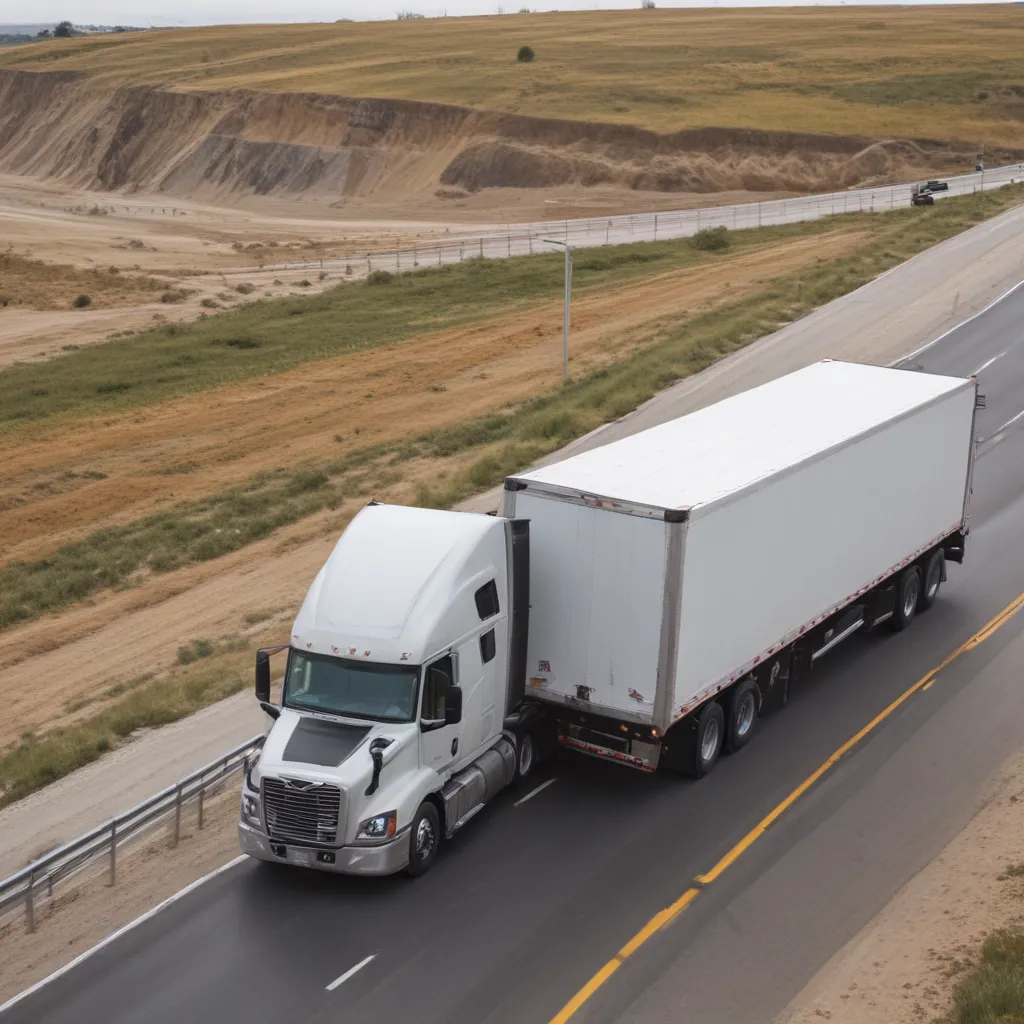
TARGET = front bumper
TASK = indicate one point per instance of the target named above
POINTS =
(385, 859)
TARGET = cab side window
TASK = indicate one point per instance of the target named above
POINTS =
(487, 600)
(487, 646)
(439, 677)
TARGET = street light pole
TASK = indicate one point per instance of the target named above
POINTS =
(568, 300)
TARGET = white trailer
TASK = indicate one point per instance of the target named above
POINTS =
(643, 602)
(735, 545)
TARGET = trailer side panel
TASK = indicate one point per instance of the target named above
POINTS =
(781, 557)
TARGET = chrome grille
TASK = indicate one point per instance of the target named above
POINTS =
(301, 815)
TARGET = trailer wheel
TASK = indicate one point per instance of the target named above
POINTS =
(424, 839)
(710, 737)
(525, 758)
(932, 580)
(908, 594)
(742, 716)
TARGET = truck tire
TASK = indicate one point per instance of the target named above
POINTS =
(908, 594)
(525, 755)
(424, 839)
(932, 580)
(710, 738)
(742, 715)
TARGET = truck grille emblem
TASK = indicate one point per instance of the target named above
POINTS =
(300, 784)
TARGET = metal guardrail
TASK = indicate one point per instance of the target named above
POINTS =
(592, 232)
(24, 887)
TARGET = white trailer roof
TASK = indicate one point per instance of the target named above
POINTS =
(730, 446)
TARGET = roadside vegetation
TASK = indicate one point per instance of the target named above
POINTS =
(34, 284)
(270, 336)
(992, 991)
(484, 450)
(143, 703)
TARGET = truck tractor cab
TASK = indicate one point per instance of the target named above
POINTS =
(391, 731)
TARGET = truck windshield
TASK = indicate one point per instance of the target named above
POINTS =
(358, 689)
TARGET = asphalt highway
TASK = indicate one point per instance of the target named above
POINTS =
(536, 896)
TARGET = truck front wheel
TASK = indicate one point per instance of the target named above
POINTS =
(424, 839)
(908, 594)
(524, 755)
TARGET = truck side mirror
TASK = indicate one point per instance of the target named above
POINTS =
(263, 675)
(453, 705)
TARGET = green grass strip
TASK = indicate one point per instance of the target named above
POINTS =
(271, 336)
(993, 990)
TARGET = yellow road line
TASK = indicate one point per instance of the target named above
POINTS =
(664, 917)
(656, 923)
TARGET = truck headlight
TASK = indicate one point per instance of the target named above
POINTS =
(252, 776)
(251, 809)
(383, 826)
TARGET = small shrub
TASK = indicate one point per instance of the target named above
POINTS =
(648, 5)
(81, 302)
(193, 652)
(245, 289)
(525, 55)
(380, 277)
(174, 295)
(711, 239)
(209, 304)
(323, 275)
(303, 283)
(305, 481)
(5, 300)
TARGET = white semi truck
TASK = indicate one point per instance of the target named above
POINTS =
(643, 602)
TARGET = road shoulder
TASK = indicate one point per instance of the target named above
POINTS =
(902, 966)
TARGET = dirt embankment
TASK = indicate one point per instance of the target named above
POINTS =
(217, 144)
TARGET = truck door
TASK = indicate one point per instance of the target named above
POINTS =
(439, 743)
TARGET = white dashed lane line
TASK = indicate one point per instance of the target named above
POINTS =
(351, 971)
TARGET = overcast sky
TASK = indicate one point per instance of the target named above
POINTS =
(212, 12)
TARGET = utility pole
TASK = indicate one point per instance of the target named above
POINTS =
(568, 299)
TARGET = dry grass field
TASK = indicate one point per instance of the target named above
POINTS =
(949, 72)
